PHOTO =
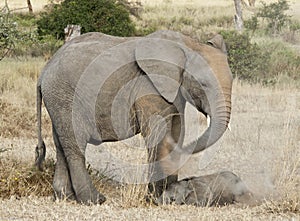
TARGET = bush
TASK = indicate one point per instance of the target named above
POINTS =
(8, 32)
(273, 15)
(32, 45)
(247, 60)
(285, 62)
(107, 16)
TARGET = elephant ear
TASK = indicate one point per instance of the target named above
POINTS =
(163, 61)
(218, 42)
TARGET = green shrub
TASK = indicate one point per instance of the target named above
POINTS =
(18, 36)
(275, 15)
(293, 28)
(251, 24)
(107, 16)
(32, 45)
(267, 63)
(25, 20)
(247, 60)
(285, 62)
(8, 32)
(271, 17)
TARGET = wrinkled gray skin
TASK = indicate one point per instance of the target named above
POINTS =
(82, 82)
(215, 189)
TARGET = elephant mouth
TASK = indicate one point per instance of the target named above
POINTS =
(205, 113)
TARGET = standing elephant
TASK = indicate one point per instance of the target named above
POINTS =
(100, 88)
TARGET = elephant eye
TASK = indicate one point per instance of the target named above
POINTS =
(200, 85)
(204, 84)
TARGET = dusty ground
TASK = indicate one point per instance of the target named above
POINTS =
(262, 148)
(45, 209)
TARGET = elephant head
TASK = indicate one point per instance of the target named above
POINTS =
(185, 192)
(200, 74)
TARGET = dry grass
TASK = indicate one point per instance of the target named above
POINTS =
(21, 5)
(262, 148)
(17, 92)
(19, 75)
(22, 180)
(190, 17)
(199, 19)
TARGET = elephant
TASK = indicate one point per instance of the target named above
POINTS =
(220, 189)
(99, 88)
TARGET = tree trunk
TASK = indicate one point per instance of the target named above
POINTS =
(238, 18)
(72, 31)
(251, 3)
(29, 6)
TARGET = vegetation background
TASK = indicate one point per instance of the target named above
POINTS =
(262, 148)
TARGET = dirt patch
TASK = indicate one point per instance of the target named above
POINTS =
(42, 208)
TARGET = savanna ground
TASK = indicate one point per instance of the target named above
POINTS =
(262, 146)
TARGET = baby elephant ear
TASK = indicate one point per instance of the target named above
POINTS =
(163, 61)
(218, 42)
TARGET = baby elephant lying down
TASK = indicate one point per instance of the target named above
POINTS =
(215, 189)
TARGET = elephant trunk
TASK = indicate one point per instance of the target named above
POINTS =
(220, 110)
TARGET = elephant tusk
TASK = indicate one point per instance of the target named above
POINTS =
(208, 120)
(229, 126)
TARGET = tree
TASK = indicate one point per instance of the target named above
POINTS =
(239, 15)
(275, 15)
(251, 3)
(8, 32)
(107, 16)
(272, 17)
(29, 6)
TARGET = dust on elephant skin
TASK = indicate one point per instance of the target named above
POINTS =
(215, 189)
(99, 88)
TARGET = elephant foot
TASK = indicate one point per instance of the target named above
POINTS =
(62, 186)
(63, 192)
(64, 195)
(90, 197)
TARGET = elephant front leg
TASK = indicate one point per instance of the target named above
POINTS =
(164, 163)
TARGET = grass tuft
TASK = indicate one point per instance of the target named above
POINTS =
(22, 179)
(133, 195)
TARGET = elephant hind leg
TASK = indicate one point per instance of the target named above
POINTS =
(85, 191)
(62, 181)
(81, 183)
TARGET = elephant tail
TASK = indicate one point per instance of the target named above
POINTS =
(40, 150)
